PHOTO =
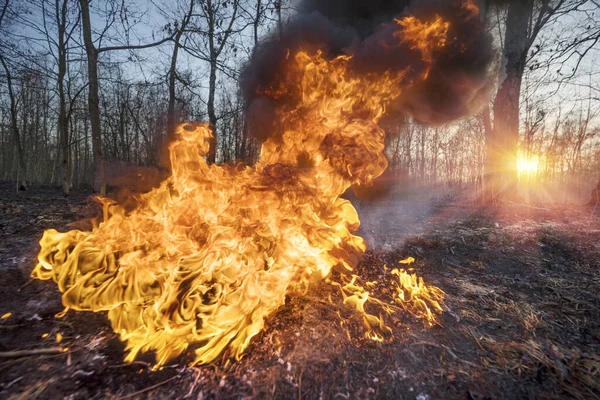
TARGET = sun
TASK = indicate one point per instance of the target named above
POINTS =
(527, 165)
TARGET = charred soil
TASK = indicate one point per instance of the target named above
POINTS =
(521, 319)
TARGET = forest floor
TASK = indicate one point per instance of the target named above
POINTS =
(521, 319)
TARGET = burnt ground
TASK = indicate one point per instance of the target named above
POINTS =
(522, 316)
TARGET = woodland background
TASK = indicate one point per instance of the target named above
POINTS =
(83, 82)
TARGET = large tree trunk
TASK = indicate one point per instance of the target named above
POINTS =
(93, 98)
(63, 123)
(503, 145)
(14, 124)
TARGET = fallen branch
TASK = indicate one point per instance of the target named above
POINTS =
(525, 205)
(31, 352)
(148, 388)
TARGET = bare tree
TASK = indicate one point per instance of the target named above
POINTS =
(93, 89)
(93, 96)
(213, 30)
(22, 166)
(171, 120)
(64, 33)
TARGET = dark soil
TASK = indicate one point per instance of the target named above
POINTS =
(521, 320)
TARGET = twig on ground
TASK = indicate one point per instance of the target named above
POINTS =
(130, 364)
(148, 388)
(9, 326)
(26, 284)
(193, 386)
(9, 384)
(31, 352)
(448, 350)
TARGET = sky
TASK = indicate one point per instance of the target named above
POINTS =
(147, 19)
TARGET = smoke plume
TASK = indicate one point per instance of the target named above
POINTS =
(456, 85)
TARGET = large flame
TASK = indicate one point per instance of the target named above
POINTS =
(204, 258)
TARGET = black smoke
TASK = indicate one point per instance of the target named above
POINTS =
(457, 83)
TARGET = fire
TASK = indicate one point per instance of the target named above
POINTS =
(202, 260)
(470, 8)
(423, 36)
(414, 296)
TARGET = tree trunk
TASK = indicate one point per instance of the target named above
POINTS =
(595, 195)
(212, 81)
(63, 128)
(488, 163)
(503, 149)
(164, 161)
(212, 116)
(14, 124)
(256, 22)
(215, 50)
(93, 98)
(279, 23)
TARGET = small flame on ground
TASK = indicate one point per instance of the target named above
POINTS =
(206, 257)
(415, 297)
(411, 295)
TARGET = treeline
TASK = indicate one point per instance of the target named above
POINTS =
(86, 83)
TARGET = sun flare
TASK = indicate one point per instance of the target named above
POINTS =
(528, 165)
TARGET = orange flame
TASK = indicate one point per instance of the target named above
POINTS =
(206, 257)
(470, 8)
(423, 36)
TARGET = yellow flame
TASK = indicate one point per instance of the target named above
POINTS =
(414, 296)
(206, 257)
(411, 294)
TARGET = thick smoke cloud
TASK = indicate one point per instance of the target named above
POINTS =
(457, 83)
(363, 16)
